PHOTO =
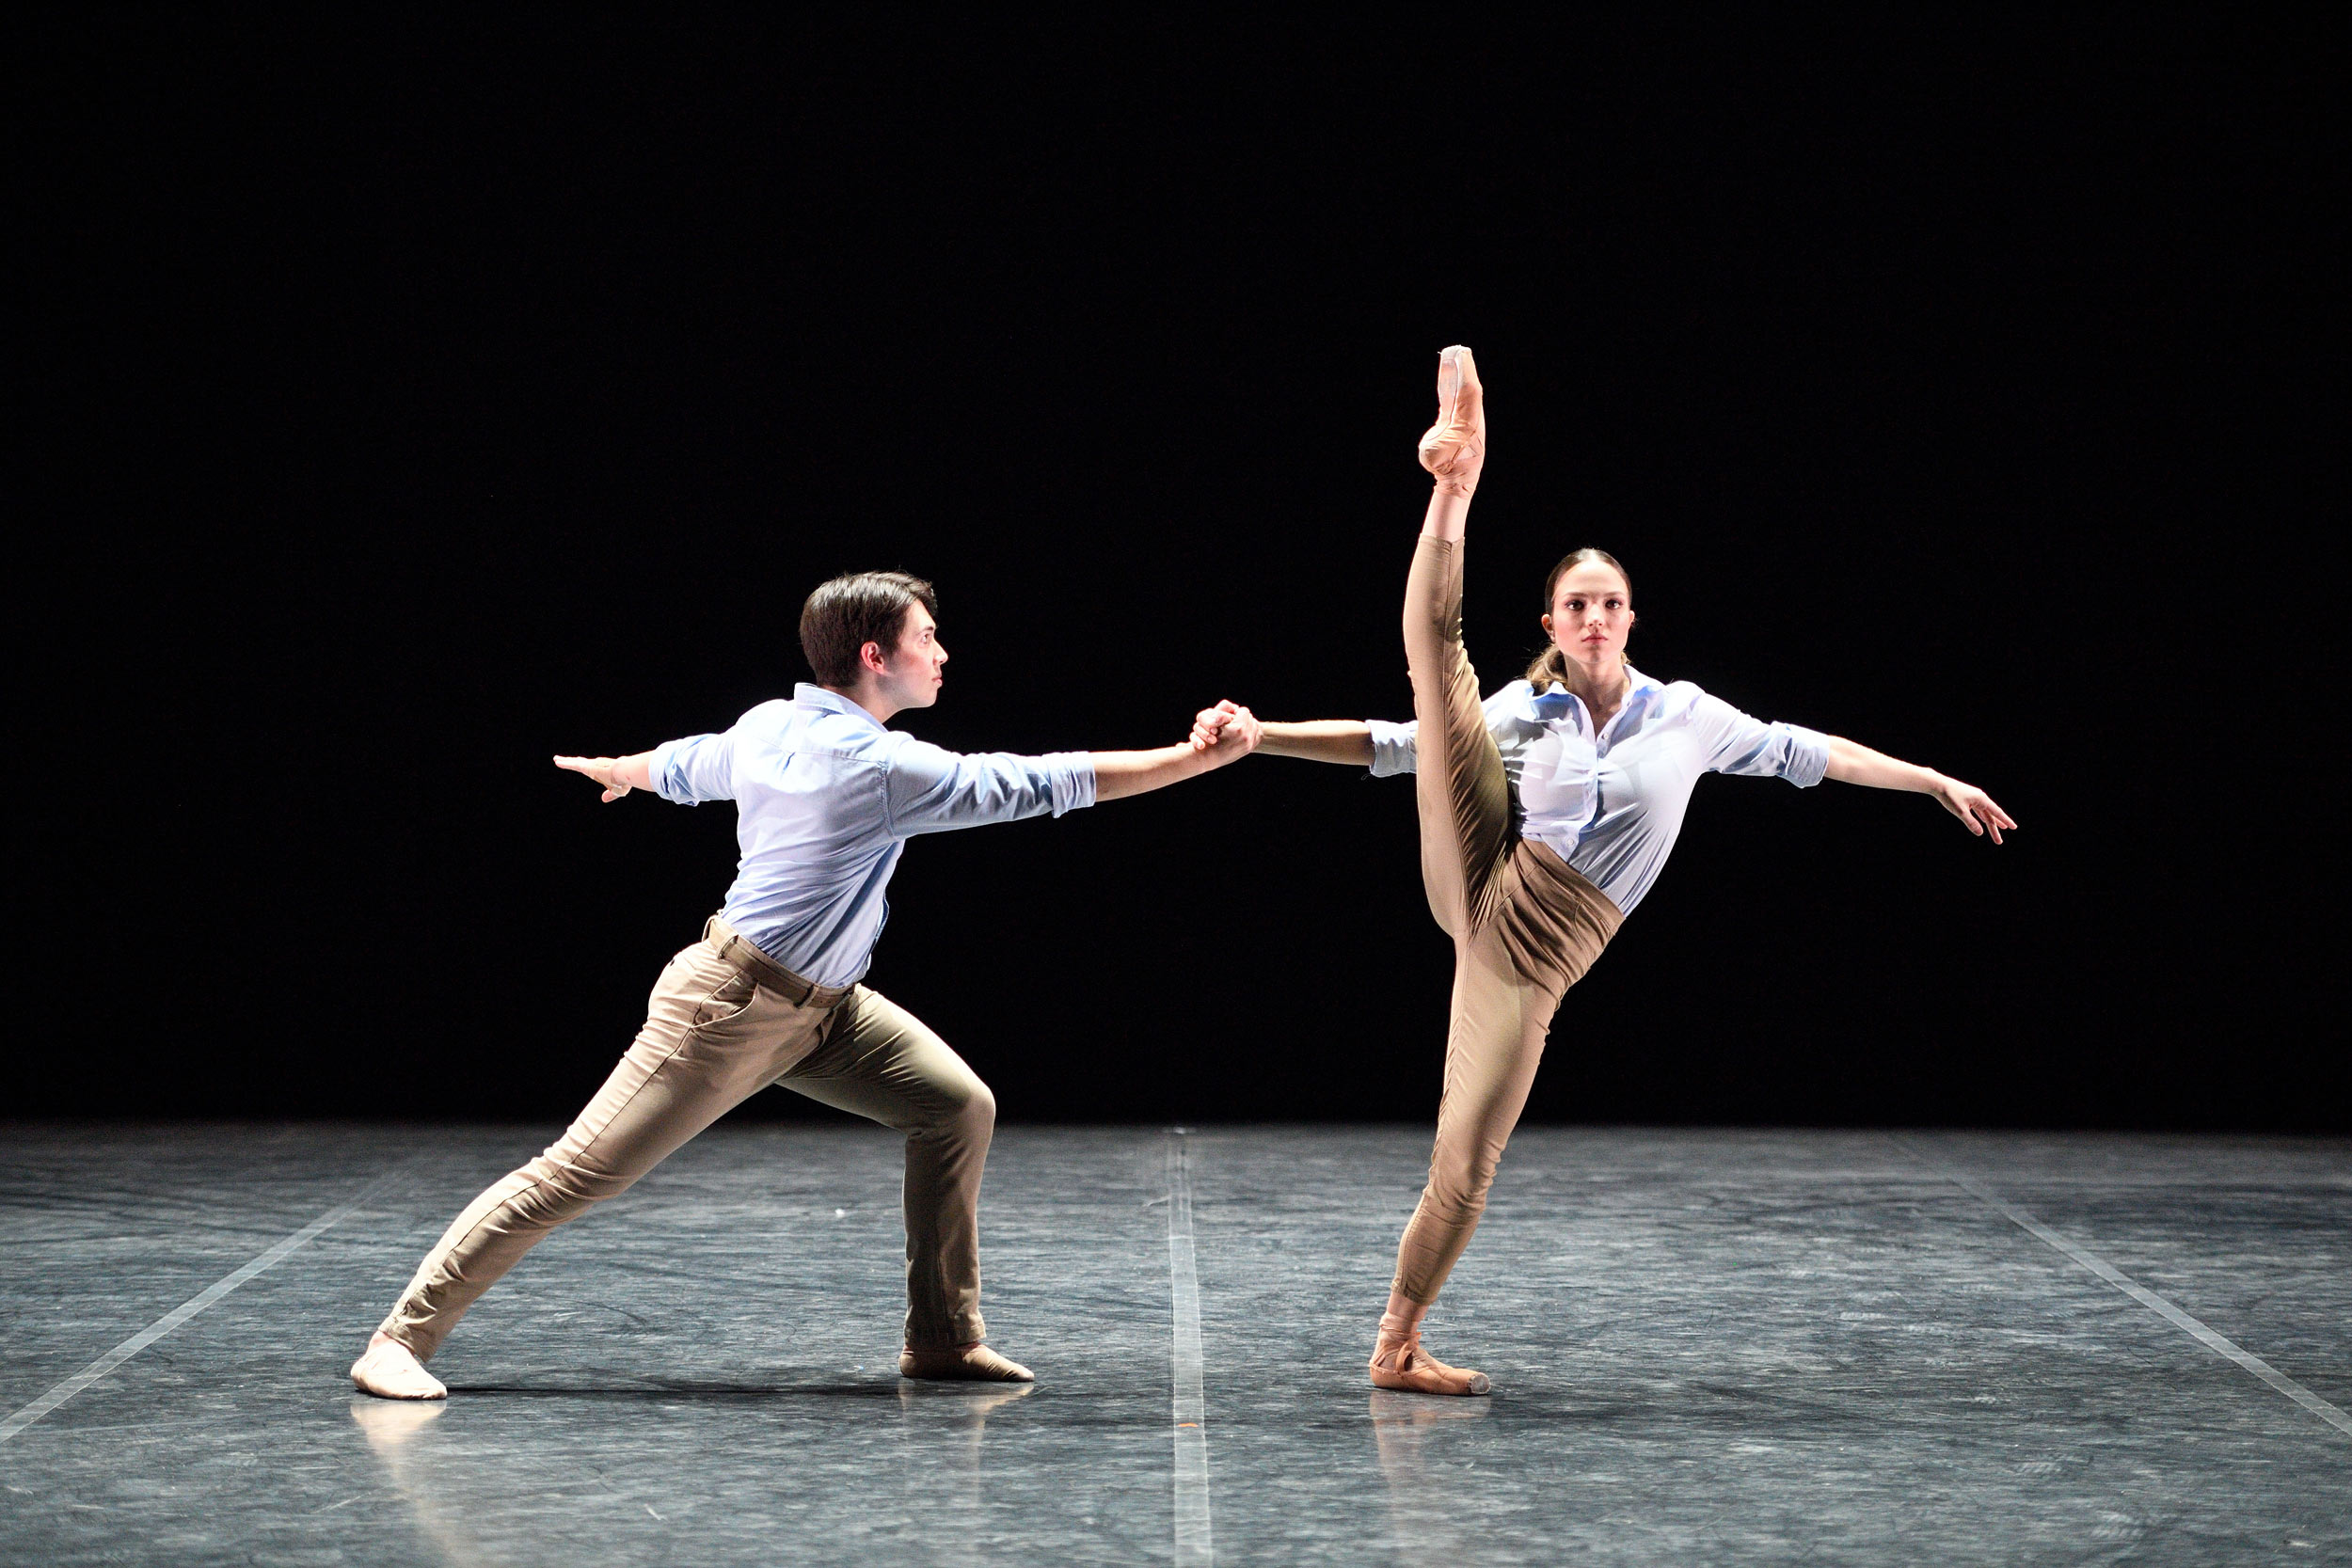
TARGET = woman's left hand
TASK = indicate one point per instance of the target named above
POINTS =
(1973, 806)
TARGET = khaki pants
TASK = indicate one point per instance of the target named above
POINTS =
(726, 1020)
(1525, 927)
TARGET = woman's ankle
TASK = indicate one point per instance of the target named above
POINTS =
(1402, 1313)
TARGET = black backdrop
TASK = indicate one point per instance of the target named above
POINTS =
(401, 407)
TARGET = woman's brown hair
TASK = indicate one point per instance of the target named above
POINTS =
(1551, 664)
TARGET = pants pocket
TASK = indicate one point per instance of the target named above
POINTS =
(726, 1000)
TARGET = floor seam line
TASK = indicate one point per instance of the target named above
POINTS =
(172, 1320)
(2212, 1339)
(1188, 1415)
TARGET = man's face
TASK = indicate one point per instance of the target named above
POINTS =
(912, 671)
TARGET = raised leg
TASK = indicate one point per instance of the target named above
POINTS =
(1460, 791)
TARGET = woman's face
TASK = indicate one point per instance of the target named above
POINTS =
(1592, 613)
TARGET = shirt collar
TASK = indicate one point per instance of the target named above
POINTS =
(1554, 699)
(832, 701)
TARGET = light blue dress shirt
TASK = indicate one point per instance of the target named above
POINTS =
(1610, 804)
(825, 798)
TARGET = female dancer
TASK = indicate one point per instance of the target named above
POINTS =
(1602, 760)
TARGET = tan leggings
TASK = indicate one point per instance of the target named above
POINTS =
(725, 1021)
(1525, 927)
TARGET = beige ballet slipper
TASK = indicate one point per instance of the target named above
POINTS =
(388, 1372)
(973, 1363)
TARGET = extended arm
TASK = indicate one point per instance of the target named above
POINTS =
(1118, 774)
(1850, 762)
(1115, 773)
(1346, 742)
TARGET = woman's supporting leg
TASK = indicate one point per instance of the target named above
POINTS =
(1548, 927)
(1494, 1045)
(1495, 1041)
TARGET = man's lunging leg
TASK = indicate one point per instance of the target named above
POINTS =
(881, 1062)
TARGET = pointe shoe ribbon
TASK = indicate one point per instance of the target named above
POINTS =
(1399, 1362)
(1454, 449)
(964, 1364)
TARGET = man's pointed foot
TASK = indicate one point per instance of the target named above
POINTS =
(389, 1371)
(974, 1363)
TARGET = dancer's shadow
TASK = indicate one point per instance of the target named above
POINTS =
(389, 1424)
(1419, 1441)
(465, 1513)
(963, 1404)
(946, 1426)
(394, 1431)
(672, 1392)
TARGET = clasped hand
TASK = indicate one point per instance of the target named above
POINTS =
(1227, 728)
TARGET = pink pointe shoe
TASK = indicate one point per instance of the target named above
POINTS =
(1454, 449)
(1399, 1362)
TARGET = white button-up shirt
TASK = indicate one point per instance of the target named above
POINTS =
(1611, 803)
(825, 798)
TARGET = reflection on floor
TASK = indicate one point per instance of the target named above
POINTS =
(1719, 1347)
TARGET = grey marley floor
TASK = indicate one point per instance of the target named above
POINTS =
(1707, 1347)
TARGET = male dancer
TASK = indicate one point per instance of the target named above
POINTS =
(825, 800)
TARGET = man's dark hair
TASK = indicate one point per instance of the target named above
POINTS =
(853, 609)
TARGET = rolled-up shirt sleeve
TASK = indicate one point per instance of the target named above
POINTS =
(1392, 746)
(1748, 746)
(934, 790)
(697, 768)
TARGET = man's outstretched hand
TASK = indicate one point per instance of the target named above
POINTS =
(1228, 729)
(1973, 806)
(602, 770)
